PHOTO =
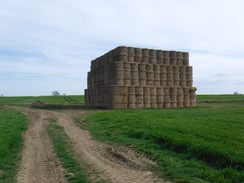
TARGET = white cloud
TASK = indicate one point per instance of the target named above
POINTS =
(59, 38)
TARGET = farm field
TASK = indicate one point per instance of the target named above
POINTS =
(219, 97)
(12, 124)
(55, 100)
(79, 99)
(202, 144)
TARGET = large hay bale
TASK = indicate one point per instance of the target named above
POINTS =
(159, 54)
(118, 90)
(145, 55)
(138, 55)
(152, 58)
(134, 66)
(131, 54)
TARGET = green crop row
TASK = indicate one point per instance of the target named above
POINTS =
(12, 125)
(198, 144)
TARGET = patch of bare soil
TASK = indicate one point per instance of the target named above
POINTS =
(115, 164)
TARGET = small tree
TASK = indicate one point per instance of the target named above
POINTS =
(55, 93)
(236, 93)
(2, 95)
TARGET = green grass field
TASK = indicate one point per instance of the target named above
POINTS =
(226, 101)
(58, 100)
(73, 99)
(202, 144)
(220, 97)
(12, 125)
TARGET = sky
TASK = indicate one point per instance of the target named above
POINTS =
(48, 46)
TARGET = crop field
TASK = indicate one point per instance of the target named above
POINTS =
(207, 140)
(195, 145)
(201, 144)
(79, 99)
(57, 100)
(219, 97)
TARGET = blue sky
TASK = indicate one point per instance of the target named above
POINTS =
(48, 45)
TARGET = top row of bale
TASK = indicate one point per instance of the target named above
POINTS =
(143, 55)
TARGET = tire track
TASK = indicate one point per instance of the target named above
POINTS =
(39, 163)
(117, 164)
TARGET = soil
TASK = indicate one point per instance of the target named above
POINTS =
(103, 162)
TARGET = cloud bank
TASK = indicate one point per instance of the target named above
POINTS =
(48, 45)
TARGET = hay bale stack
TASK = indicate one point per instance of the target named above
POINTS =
(128, 77)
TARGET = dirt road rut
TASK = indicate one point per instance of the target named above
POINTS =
(115, 164)
(39, 163)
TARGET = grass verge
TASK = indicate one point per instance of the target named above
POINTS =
(63, 150)
(190, 145)
(12, 125)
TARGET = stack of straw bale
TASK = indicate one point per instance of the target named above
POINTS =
(128, 77)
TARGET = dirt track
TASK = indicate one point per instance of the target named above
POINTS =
(39, 163)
